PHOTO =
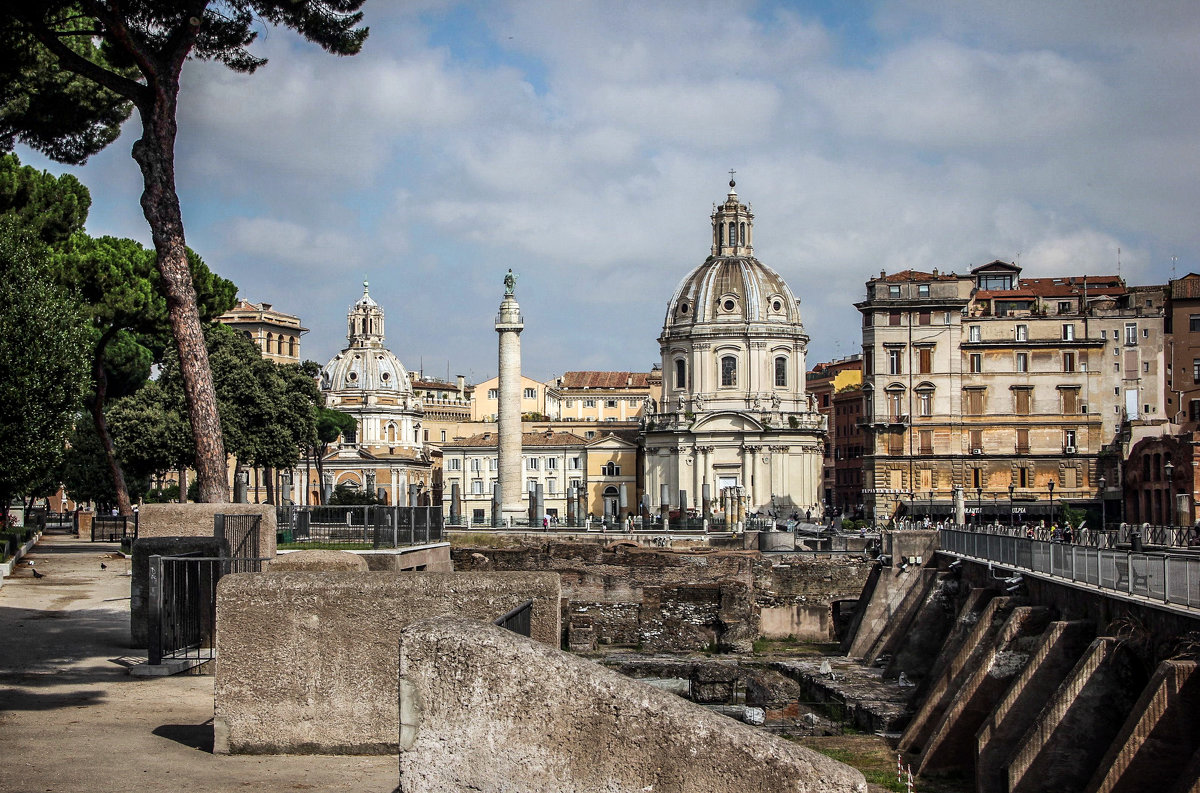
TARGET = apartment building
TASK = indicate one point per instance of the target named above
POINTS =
(1012, 389)
(836, 388)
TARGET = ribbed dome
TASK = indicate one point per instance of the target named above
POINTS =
(732, 289)
(366, 369)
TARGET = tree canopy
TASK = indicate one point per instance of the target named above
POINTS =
(43, 352)
(70, 73)
(50, 207)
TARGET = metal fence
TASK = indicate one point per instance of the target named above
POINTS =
(358, 526)
(1160, 536)
(1164, 577)
(114, 528)
(517, 620)
(241, 531)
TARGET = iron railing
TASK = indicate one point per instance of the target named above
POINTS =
(1169, 578)
(183, 605)
(518, 620)
(357, 526)
(1161, 536)
(114, 528)
(242, 534)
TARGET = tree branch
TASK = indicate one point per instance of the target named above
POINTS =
(117, 31)
(73, 61)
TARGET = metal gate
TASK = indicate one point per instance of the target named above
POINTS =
(242, 533)
(517, 620)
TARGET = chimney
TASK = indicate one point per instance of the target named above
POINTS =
(462, 385)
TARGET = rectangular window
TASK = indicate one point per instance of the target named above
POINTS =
(976, 440)
(492, 463)
(893, 317)
(443, 436)
(576, 483)
(476, 464)
(1022, 333)
(1021, 401)
(1068, 361)
(589, 403)
(1130, 333)
(729, 371)
(925, 403)
(926, 441)
(894, 362)
(923, 290)
(973, 402)
(781, 374)
(1194, 323)
(573, 463)
(945, 317)
(1022, 362)
(530, 485)
(1022, 477)
(924, 317)
(926, 359)
(1146, 367)
(477, 487)
(868, 361)
(1022, 441)
(531, 393)
(976, 479)
(551, 486)
(895, 443)
(1069, 438)
(976, 363)
(1068, 332)
(973, 333)
(894, 290)
(1064, 307)
(1194, 410)
(493, 393)
(867, 317)
(551, 463)
(1070, 400)
(532, 463)
(454, 464)
(611, 403)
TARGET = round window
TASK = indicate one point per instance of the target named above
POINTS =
(352, 376)
(729, 304)
(777, 306)
(386, 376)
(683, 308)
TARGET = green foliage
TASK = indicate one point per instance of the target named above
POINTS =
(793, 422)
(151, 432)
(52, 208)
(43, 365)
(85, 472)
(344, 495)
(1072, 516)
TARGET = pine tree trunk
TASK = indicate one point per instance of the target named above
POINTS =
(100, 379)
(155, 154)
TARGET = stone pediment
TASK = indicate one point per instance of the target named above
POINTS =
(727, 421)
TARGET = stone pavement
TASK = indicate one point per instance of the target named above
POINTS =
(72, 719)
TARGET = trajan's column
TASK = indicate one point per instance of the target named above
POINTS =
(509, 325)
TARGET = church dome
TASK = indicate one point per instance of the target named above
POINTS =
(365, 365)
(366, 369)
(732, 286)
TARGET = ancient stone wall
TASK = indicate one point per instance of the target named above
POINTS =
(683, 600)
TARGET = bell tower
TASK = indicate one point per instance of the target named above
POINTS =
(364, 323)
(733, 226)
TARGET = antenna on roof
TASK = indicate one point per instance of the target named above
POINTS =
(1174, 261)
(1118, 262)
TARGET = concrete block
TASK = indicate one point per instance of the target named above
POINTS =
(316, 560)
(487, 710)
(139, 581)
(951, 746)
(1060, 647)
(196, 520)
(308, 662)
(1076, 727)
(1154, 746)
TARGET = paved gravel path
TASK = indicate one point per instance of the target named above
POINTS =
(72, 719)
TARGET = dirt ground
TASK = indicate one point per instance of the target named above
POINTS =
(72, 719)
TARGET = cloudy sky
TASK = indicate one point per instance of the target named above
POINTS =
(584, 143)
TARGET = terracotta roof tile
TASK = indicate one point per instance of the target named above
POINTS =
(638, 380)
(487, 439)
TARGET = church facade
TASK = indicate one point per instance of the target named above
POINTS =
(735, 431)
(386, 453)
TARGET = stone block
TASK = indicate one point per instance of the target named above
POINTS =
(475, 715)
(308, 662)
(139, 582)
(196, 520)
(316, 560)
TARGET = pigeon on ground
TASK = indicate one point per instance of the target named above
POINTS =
(36, 574)
(103, 566)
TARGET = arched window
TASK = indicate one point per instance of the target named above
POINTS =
(742, 234)
(925, 402)
(270, 338)
(279, 344)
(611, 469)
(680, 373)
(781, 371)
(729, 371)
(1157, 467)
(732, 234)
(391, 433)
(292, 346)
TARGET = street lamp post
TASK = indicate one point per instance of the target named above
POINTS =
(978, 506)
(1012, 521)
(1170, 469)
(931, 505)
(1051, 502)
(1103, 506)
